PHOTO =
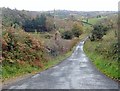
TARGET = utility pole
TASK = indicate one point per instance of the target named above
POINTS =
(54, 21)
(55, 26)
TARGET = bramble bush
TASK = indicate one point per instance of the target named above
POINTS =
(19, 50)
(98, 32)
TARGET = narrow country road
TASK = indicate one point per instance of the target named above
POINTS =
(76, 72)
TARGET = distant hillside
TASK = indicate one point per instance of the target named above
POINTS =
(10, 16)
(89, 14)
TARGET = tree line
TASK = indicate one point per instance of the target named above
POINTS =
(38, 24)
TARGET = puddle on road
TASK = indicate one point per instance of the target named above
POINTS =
(73, 59)
(35, 76)
(83, 65)
(83, 60)
(23, 86)
(56, 74)
(83, 55)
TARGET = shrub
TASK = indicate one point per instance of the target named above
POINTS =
(77, 30)
(98, 32)
(76, 33)
(67, 35)
(47, 36)
(18, 45)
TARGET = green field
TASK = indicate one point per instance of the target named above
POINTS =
(95, 20)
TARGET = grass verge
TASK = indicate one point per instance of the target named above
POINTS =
(106, 65)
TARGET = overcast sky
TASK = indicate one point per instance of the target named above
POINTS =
(78, 5)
